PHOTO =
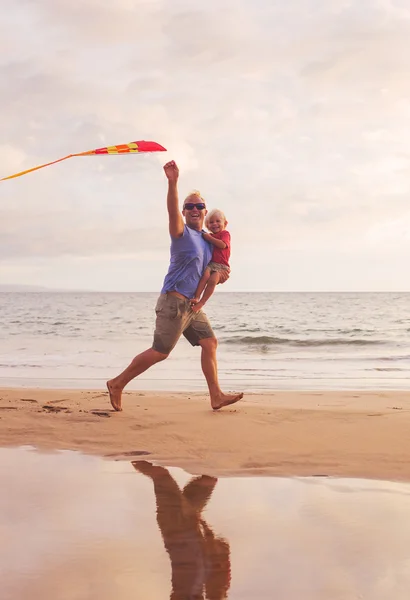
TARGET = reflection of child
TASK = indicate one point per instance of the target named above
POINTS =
(216, 222)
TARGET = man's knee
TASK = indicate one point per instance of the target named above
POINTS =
(209, 344)
(159, 356)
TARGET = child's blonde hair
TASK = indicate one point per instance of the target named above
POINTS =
(215, 213)
(197, 194)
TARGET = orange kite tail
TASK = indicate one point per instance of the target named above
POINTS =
(35, 168)
(131, 148)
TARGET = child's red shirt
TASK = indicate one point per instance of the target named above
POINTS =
(221, 255)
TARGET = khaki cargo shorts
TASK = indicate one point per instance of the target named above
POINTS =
(218, 267)
(175, 317)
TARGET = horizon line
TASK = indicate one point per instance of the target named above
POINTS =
(40, 289)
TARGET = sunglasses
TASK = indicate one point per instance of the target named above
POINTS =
(191, 206)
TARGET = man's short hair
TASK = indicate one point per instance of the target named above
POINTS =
(197, 194)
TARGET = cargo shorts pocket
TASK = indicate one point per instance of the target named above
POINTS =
(167, 307)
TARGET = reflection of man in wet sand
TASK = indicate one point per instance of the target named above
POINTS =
(198, 559)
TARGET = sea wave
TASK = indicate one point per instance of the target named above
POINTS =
(266, 340)
(387, 369)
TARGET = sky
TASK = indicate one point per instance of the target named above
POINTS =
(290, 117)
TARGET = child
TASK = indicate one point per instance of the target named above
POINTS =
(216, 222)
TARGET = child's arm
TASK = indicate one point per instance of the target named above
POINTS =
(210, 238)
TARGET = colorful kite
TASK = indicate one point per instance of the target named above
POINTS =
(131, 148)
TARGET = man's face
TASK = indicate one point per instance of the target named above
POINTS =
(194, 212)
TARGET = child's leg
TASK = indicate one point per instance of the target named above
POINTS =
(202, 284)
(210, 287)
(209, 290)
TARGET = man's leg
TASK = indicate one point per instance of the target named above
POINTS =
(210, 370)
(140, 363)
(171, 318)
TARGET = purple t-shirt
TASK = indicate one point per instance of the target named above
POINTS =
(190, 255)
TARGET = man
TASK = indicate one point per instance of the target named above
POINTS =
(190, 254)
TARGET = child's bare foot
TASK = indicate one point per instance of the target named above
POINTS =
(197, 307)
(115, 396)
(225, 400)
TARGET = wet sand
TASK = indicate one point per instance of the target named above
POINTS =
(174, 535)
(348, 434)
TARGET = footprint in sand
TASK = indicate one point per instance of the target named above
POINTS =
(100, 413)
(130, 453)
(59, 400)
(55, 409)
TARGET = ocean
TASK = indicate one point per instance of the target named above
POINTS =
(267, 341)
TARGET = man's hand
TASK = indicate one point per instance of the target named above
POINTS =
(224, 275)
(171, 171)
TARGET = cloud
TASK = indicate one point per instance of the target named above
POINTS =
(288, 116)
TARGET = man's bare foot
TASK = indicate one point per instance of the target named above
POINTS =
(197, 307)
(115, 396)
(225, 400)
(143, 466)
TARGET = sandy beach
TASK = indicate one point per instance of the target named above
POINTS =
(285, 433)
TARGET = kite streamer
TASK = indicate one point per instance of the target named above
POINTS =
(131, 148)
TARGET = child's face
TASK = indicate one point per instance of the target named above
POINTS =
(216, 224)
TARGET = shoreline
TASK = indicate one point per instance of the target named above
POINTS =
(191, 386)
(361, 434)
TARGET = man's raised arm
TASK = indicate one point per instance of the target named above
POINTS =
(176, 223)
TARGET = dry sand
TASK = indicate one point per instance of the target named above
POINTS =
(352, 434)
